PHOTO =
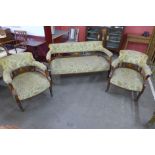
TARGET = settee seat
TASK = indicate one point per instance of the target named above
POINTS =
(81, 64)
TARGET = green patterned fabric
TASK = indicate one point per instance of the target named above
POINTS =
(72, 47)
(30, 84)
(128, 79)
(79, 65)
(133, 57)
(16, 61)
(39, 65)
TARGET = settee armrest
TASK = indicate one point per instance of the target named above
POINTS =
(107, 52)
(147, 71)
(48, 56)
(39, 65)
(7, 76)
(115, 63)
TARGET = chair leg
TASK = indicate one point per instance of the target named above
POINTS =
(140, 93)
(50, 88)
(19, 104)
(108, 74)
(51, 91)
(108, 86)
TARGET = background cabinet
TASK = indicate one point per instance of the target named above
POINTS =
(113, 36)
(92, 33)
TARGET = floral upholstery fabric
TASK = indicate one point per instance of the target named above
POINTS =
(128, 79)
(30, 84)
(79, 65)
(133, 57)
(39, 65)
(16, 61)
(72, 47)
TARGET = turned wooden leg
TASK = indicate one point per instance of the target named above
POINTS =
(108, 74)
(108, 86)
(51, 91)
(50, 88)
(140, 93)
(19, 104)
(13, 92)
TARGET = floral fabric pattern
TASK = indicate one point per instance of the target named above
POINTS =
(30, 84)
(16, 60)
(128, 79)
(79, 65)
(134, 57)
(73, 47)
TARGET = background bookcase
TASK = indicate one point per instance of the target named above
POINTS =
(113, 39)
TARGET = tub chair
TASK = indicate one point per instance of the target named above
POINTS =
(130, 71)
(24, 76)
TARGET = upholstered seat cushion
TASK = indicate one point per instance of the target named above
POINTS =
(30, 84)
(128, 79)
(83, 64)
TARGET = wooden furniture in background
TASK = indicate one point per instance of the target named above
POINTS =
(151, 48)
(48, 32)
(113, 36)
(19, 43)
(136, 39)
(57, 34)
(7, 36)
(92, 33)
(34, 47)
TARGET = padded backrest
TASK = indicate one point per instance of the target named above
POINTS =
(17, 60)
(134, 57)
(71, 47)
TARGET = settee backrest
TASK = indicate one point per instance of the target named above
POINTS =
(76, 47)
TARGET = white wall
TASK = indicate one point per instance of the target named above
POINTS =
(31, 30)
